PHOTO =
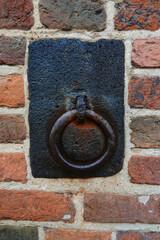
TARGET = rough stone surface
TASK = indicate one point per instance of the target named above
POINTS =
(144, 169)
(16, 14)
(13, 167)
(144, 92)
(119, 208)
(145, 132)
(12, 129)
(35, 206)
(18, 233)
(138, 236)
(138, 14)
(72, 234)
(12, 91)
(145, 53)
(83, 142)
(73, 14)
(12, 50)
(60, 70)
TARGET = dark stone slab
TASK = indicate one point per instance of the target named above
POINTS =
(58, 70)
(18, 233)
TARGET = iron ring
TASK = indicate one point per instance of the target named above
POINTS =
(56, 134)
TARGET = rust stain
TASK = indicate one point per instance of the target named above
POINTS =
(85, 125)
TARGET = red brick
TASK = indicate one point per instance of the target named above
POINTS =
(145, 53)
(12, 129)
(16, 14)
(138, 236)
(121, 208)
(144, 169)
(144, 92)
(13, 167)
(12, 50)
(73, 234)
(36, 206)
(12, 91)
(138, 14)
(76, 14)
(145, 132)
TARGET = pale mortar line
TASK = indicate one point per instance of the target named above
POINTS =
(27, 142)
(110, 11)
(114, 236)
(41, 233)
(112, 227)
(138, 112)
(149, 72)
(78, 200)
(146, 152)
(8, 111)
(12, 148)
(44, 33)
(128, 144)
(37, 23)
(8, 70)
(63, 187)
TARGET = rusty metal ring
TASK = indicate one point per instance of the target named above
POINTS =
(55, 141)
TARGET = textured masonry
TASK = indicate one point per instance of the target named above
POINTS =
(12, 129)
(13, 167)
(122, 207)
(138, 14)
(12, 91)
(144, 169)
(145, 53)
(12, 50)
(16, 14)
(145, 132)
(75, 14)
(36, 206)
(144, 92)
(138, 236)
(72, 234)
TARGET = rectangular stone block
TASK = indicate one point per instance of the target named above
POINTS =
(145, 131)
(12, 91)
(73, 234)
(13, 167)
(138, 236)
(18, 233)
(121, 208)
(144, 92)
(12, 50)
(144, 169)
(12, 129)
(36, 206)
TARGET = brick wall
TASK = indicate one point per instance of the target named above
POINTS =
(122, 207)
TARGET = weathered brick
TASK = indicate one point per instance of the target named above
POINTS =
(13, 167)
(121, 208)
(145, 132)
(18, 233)
(138, 236)
(12, 129)
(144, 169)
(73, 14)
(73, 234)
(12, 91)
(36, 206)
(144, 92)
(138, 14)
(12, 50)
(16, 14)
(145, 53)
